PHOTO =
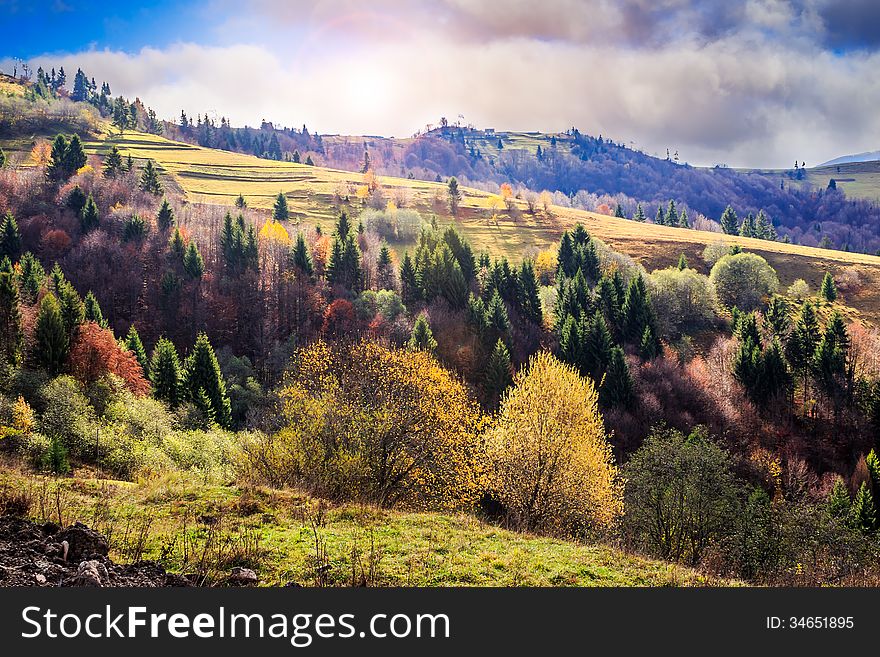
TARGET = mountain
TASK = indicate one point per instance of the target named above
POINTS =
(868, 156)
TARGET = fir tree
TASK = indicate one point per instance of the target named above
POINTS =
(499, 322)
(93, 310)
(608, 303)
(862, 514)
(802, 342)
(73, 310)
(51, 338)
(683, 221)
(422, 339)
(682, 262)
(617, 388)
(300, 257)
(280, 211)
(193, 264)
(113, 165)
(149, 181)
(11, 331)
(203, 373)
(3, 158)
(498, 373)
(32, 277)
(166, 373)
(671, 214)
(618, 212)
(777, 316)
(872, 461)
(89, 219)
(135, 346)
(637, 312)
(454, 195)
(747, 229)
(596, 344)
(10, 238)
(165, 217)
(639, 214)
(838, 502)
(409, 284)
(729, 221)
(74, 157)
(240, 203)
(529, 300)
(828, 289)
(176, 244)
(649, 345)
(134, 229)
(55, 169)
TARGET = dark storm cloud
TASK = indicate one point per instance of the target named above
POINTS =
(852, 24)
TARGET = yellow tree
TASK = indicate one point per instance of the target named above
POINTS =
(552, 466)
(506, 193)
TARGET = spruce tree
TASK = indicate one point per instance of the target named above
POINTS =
(802, 343)
(93, 310)
(637, 312)
(529, 300)
(608, 303)
(828, 289)
(193, 264)
(618, 212)
(165, 217)
(3, 158)
(639, 214)
(73, 311)
(11, 331)
(682, 262)
(135, 346)
(499, 321)
(617, 389)
(409, 284)
(113, 165)
(52, 341)
(596, 344)
(454, 195)
(671, 214)
(300, 257)
(498, 373)
(777, 316)
(683, 221)
(649, 345)
(729, 221)
(203, 373)
(240, 203)
(838, 502)
(862, 514)
(570, 350)
(149, 181)
(166, 374)
(32, 277)
(176, 244)
(872, 461)
(55, 169)
(74, 157)
(422, 339)
(280, 211)
(89, 219)
(10, 238)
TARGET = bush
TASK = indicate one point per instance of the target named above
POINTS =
(681, 495)
(799, 290)
(744, 281)
(552, 467)
(683, 301)
(68, 416)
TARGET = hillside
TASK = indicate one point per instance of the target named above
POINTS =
(212, 176)
(286, 537)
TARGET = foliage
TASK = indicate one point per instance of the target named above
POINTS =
(744, 280)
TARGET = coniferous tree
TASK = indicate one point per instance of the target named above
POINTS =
(747, 229)
(240, 203)
(729, 221)
(529, 300)
(93, 310)
(10, 238)
(570, 349)
(838, 502)
(617, 388)
(862, 513)
(498, 373)
(618, 212)
(683, 221)
(802, 342)
(421, 338)
(301, 258)
(134, 229)
(777, 316)
(55, 169)
(498, 319)
(203, 373)
(280, 211)
(565, 259)
(828, 289)
(409, 283)
(165, 217)
(454, 195)
(176, 244)
(52, 341)
(872, 461)
(660, 217)
(135, 346)
(11, 331)
(89, 219)
(639, 214)
(649, 345)
(74, 157)
(596, 344)
(32, 277)
(671, 214)
(166, 373)
(764, 228)
(113, 165)
(636, 312)
(682, 262)
(608, 303)
(149, 181)
(193, 264)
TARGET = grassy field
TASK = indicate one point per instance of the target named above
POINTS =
(213, 176)
(856, 179)
(194, 527)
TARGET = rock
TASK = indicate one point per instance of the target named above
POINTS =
(83, 542)
(40, 579)
(242, 577)
(89, 573)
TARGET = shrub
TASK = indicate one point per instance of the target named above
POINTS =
(799, 290)
(552, 467)
(68, 415)
(683, 301)
(744, 280)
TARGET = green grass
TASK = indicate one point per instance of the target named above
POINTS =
(287, 537)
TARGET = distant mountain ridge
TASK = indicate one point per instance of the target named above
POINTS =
(868, 156)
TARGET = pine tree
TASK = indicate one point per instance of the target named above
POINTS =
(683, 221)
(596, 344)
(608, 303)
(74, 157)
(872, 461)
(409, 284)
(52, 340)
(777, 316)
(682, 262)
(89, 219)
(176, 244)
(640, 214)
(55, 169)
(32, 277)
(135, 346)
(193, 264)
(280, 211)
(565, 259)
(747, 229)
(828, 289)
(659, 218)
(149, 181)
(166, 373)
(10, 238)
(764, 228)
(203, 373)
(93, 310)
(240, 203)
(422, 339)
(134, 229)
(671, 214)
(729, 221)
(300, 257)
(113, 165)
(802, 343)
(617, 389)
(637, 312)
(11, 331)
(498, 373)
(499, 321)
(165, 217)
(618, 212)
(649, 345)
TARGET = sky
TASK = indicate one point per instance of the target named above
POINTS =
(747, 83)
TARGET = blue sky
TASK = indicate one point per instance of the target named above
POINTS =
(745, 83)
